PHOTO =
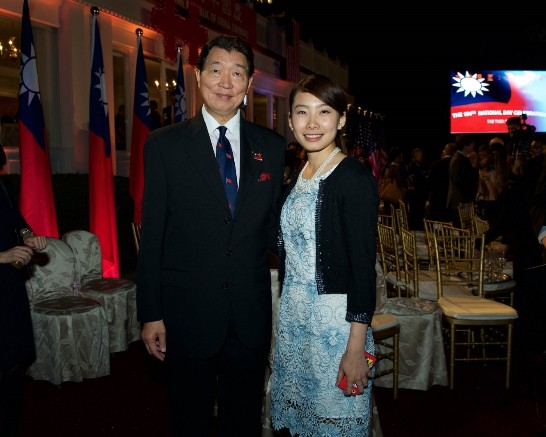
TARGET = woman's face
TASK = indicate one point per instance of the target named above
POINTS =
(315, 124)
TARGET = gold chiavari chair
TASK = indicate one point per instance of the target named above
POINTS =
(423, 362)
(420, 282)
(386, 333)
(497, 284)
(459, 261)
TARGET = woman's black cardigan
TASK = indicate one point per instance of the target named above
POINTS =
(346, 226)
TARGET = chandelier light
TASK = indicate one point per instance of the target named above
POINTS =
(10, 51)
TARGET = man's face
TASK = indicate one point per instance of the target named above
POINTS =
(512, 128)
(223, 83)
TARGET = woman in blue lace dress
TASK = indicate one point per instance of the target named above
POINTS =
(327, 257)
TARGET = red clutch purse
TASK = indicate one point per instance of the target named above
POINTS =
(370, 359)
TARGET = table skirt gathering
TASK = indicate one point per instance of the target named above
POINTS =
(422, 361)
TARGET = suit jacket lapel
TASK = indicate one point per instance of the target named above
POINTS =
(250, 165)
(201, 153)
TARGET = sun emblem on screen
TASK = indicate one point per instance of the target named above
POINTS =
(470, 84)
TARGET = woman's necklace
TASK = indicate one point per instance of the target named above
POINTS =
(303, 184)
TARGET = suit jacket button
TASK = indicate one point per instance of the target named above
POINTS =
(229, 252)
(225, 285)
(227, 220)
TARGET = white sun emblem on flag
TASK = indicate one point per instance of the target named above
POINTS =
(180, 104)
(146, 100)
(101, 85)
(29, 76)
(470, 84)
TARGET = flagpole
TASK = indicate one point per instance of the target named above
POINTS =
(142, 126)
(102, 211)
(180, 101)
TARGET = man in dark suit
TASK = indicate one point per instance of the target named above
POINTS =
(204, 286)
(169, 111)
(438, 182)
(538, 209)
(463, 178)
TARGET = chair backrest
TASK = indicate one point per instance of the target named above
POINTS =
(390, 252)
(51, 272)
(88, 255)
(466, 212)
(386, 219)
(433, 227)
(402, 215)
(479, 226)
(411, 263)
(453, 230)
(459, 260)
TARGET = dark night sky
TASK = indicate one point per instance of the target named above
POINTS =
(400, 63)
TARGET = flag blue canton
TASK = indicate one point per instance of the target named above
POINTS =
(180, 103)
(98, 103)
(31, 112)
(142, 99)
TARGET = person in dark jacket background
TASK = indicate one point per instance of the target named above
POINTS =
(463, 177)
(438, 182)
(17, 244)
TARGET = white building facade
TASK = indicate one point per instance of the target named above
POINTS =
(62, 39)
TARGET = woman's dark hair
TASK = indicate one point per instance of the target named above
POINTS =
(229, 43)
(326, 91)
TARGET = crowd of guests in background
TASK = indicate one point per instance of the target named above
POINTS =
(503, 177)
(466, 171)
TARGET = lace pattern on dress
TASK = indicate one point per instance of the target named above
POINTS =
(311, 337)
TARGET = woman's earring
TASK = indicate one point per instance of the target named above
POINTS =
(245, 100)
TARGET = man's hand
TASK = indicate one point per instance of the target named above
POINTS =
(154, 336)
(35, 242)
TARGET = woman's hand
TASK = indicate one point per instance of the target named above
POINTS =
(356, 368)
(21, 254)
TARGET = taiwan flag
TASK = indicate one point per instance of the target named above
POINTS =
(142, 125)
(102, 211)
(36, 201)
(180, 101)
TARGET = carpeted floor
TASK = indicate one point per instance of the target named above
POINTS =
(131, 402)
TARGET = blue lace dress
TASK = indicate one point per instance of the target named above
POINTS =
(311, 337)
